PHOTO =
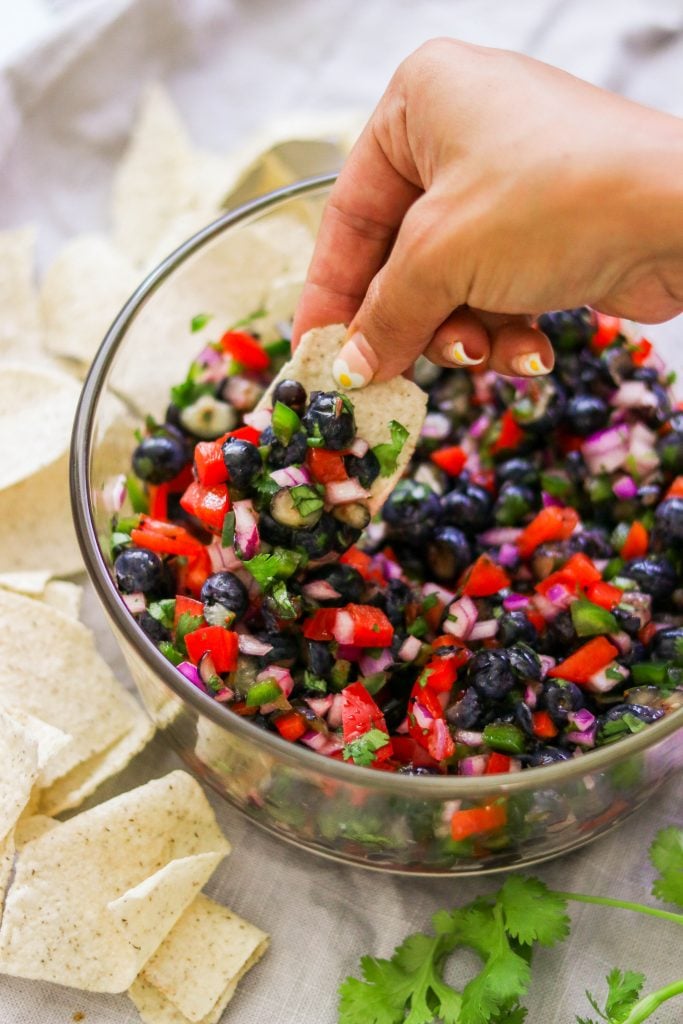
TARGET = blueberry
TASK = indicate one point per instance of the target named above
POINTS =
(654, 575)
(586, 414)
(152, 627)
(466, 713)
(284, 649)
(561, 633)
(345, 535)
(318, 658)
(629, 622)
(242, 461)
(594, 542)
(569, 328)
(317, 541)
(523, 718)
(639, 711)
(396, 596)
(280, 456)
(490, 672)
(448, 553)
(657, 414)
(513, 503)
(159, 458)
(138, 569)
(365, 468)
(514, 626)
(547, 755)
(524, 662)
(670, 446)
(274, 533)
(347, 582)
(468, 508)
(411, 510)
(291, 393)
(559, 699)
(330, 416)
(518, 471)
(669, 520)
(539, 404)
(667, 644)
(395, 711)
(226, 589)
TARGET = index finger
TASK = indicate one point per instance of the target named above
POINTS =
(365, 208)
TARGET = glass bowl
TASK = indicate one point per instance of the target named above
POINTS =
(254, 255)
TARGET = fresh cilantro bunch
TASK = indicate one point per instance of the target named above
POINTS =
(503, 930)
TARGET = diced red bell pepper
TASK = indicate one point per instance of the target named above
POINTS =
(637, 541)
(209, 504)
(191, 572)
(451, 459)
(186, 605)
(497, 763)
(536, 619)
(485, 478)
(510, 433)
(584, 663)
(363, 564)
(326, 466)
(245, 350)
(357, 624)
(605, 594)
(291, 725)
(182, 480)
(484, 578)
(245, 433)
(559, 578)
(407, 751)
(208, 458)
(440, 673)
(478, 820)
(360, 714)
(543, 726)
(427, 725)
(158, 501)
(221, 644)
(641, 352)
(553, 523)
(608, 329)
(676, 489)
(647, 632)
(582, 570)
(165, 538)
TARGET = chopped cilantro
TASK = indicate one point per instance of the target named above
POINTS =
(257, 314)
(186, 624)
(362, 750)
(279, 564)
(187, 392)
(666, 853)
(387, 453)
(199, 321)
(314, 684)
(418, 628)
(136, 494)
(171, 653)
(374, 683)
(623, 991)
(163, 611)
(265, 486)
(285, 607)
(430, 601)
(678, 651)
(228, 532)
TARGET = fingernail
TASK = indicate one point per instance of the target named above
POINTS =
(356, 364)
(529, 364)
(457, 354)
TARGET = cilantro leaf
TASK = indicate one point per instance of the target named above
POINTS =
(666, 853)
(257, 314)
(505, 975)
(363, 749)
(279, 564)
(387, 453)
(286, 607)
(163, 611)
(199, 321)
(623, 992)
(188, 391)
(532, 912)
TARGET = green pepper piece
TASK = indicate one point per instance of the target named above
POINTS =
(285, 423)
(504, 737)
(263, 693)
(590, 619)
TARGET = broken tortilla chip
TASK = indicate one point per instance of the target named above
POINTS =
(61, 594)
(20, 327)
(19, 759)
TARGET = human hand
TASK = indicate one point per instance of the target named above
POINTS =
(487, 188)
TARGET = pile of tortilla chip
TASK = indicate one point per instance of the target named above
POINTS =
(110, 901)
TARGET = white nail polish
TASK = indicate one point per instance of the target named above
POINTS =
(458, 356)
(529, 364)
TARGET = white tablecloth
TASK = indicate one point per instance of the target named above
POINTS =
(231, 65)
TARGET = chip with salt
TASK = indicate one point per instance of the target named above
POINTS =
(19, 760)
(20, 326)
(375, 407)
(61, 594)
(195, 971)
(93, 898)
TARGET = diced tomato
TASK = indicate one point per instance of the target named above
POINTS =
(427, 725)
(637, 541)
(641, 352)
(221, 644)
(582, 570)
(186, 605)
(191, 572)
(407, 751)
(358, 624)
(326, 466)
(244, 434)
(208, 458)
(207, 503)
(440, 673)
(559, 578)
(243, 709)
(510, 433)
(608, 329)
(478, 820)
(291, 725)
(543, 725)
(553, 523)
(484, 578)
(362, 563)
(568, 442)
(536, 619)
(434, 614)
(497, 763)
(485, 478)
(451, 459)
(166, 538)
(158, 501)
(584, 663)
(183, 479)
(647, 632)
(360, 714)
(676, 489)
(604, 594)
(245, 350)
(320, 626)
(446, 640)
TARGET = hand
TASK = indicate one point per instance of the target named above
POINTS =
(488, 188)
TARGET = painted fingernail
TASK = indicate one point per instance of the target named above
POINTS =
(529, 364)
(457, 354)
(356, 364)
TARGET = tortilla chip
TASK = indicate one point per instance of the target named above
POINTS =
(33, 827)
(32, 584)
(202, 959)
(374, 406)
(51, 669)
(7, 851)
(92, 898)
(47, 738)
(64, 596)
(19, 760)
(83, 290)
(20, 326)
(71, 789)
(37, 406)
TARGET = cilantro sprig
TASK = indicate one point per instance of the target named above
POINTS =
(387, 453)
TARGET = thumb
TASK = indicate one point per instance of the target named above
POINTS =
(406, 301)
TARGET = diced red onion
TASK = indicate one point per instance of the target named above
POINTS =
(209, 356)
(341, 492)
(369, 665)
(547, 662)
(464, 615)
(621, 640)
(515, 602)
(409, 649)
(484, 630)
(334, 715)
(225, 694)
(376, 532)
(440, 740)
(634, 394)
(530, 696)
(606, 450)
(469, 738)
(320, 590)
(314, 740)
(214, 373)
(508, 555)
(479, 427)
(559, 595)
(423, 717)
(359, 448)
(223, 558)
(500, 535)
(332, 746)
(603, 683)
(320, 705)
(187, 669)
(135, 603)
(349, 652)
(404, 728)
(582, 719)
(259, 419)
(242, 393)
(475, 765)
(282, 676)
(114, 493)
(625, 487)
(247, 539)
(436, 426)
(390, 569)
(642, 449)
(547, 609)
(550, 501)
(445, 596)
(291, 476)
(585, 739)
(249, 644)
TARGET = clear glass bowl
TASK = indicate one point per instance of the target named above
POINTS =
(253, 255)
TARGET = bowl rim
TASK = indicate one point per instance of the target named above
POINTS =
(445, 786)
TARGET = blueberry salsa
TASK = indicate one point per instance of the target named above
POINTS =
(517, 602)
